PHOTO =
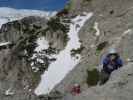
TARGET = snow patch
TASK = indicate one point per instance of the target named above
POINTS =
(97, 29)
(65, 62)
(5, 43)
(35, 69)
(127, 32)
(42, 44)
(9, 92)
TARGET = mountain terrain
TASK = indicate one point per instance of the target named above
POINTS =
(43, 56)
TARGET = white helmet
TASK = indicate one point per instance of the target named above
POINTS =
(76, 84)
(112, 51)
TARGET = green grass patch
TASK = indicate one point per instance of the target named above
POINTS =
(98, 52)
(92, 30)
(92, 77)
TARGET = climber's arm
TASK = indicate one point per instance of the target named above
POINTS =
(105, 64)
(120, 62)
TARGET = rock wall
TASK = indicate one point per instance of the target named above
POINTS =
(114, 21)
(119, 87)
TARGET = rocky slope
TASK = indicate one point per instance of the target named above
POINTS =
(24, 56)
(119, 87)
(110, 26)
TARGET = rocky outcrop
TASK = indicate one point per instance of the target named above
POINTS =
(119, 87)
(110, 26)
(17, 77)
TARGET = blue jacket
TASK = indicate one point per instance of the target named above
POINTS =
(109, 66)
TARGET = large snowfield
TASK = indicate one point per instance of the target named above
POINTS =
(65, 62)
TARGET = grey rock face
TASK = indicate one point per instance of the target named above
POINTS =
(16, 75)
(115, 25)
(119, 87)
(12, 31)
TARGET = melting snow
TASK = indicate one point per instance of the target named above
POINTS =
(42, 44)
(64, 63)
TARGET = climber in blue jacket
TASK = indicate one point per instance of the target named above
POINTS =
(111, 62)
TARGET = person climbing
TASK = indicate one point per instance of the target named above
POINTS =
(110, 63)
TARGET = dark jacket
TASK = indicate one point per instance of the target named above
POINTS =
(109, 66)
